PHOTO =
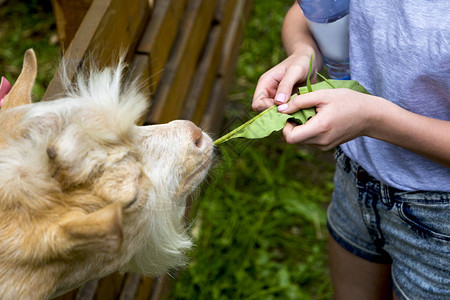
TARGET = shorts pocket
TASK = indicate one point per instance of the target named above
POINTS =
(427, 219)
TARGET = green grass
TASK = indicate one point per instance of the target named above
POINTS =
(260, 220)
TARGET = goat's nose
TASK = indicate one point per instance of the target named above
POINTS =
(197, 134)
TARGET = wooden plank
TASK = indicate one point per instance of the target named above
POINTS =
(162, 287)
(182, 62)
(110, 27)
(109, 287)
(234, 37)
(87, 291)
(214, 112)
(139, 70)
(130, 286)
(212, 119)
(197, 99)
(68, 17)
(159, 36)
(225, 13)
(145, 287)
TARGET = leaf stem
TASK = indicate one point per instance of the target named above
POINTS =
(308, 81)
(325, 79)
(233, 132)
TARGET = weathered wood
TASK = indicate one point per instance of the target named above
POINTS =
(234, 37)
(195, 103)
(206, 69)
(162, 288)
(109, 29)
(109, 287)
(197, 99)
(130, 286)
(235, 33)
(87, 291)
(159, 36)
(68, 16)
(139, 70)
(182, 62)
(145, 287)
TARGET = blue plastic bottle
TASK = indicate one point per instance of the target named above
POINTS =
(328, 21)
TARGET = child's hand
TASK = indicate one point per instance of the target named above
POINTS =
(342, 115)
(277, 85)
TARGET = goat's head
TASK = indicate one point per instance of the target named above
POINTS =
(84, 191)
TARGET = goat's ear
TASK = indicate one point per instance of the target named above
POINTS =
(20, 93)
(97, 232)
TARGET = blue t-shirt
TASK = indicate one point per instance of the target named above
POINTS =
(400, 50)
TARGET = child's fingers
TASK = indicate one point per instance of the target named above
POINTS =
(294, 133)
(265, 90)
(294, 75)
(262, 104)
(302, 101)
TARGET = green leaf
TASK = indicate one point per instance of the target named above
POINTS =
(265, 123)
(271, 120)
(308, 80)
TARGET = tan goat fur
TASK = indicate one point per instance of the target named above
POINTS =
(84, 191)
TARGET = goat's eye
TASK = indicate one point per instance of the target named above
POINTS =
(132, 202)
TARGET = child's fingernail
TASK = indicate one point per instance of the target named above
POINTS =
(282, 107)
(281, 97)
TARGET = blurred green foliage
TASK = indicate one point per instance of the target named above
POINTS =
(24, 25)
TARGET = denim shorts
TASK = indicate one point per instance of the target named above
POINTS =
(409, 230)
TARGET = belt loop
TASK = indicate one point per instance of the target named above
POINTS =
(387, 195)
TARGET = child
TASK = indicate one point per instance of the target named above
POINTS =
(389, 220)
